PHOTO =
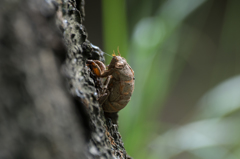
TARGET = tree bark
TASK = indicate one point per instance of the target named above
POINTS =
(48, 98)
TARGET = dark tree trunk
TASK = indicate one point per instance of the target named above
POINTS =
(45, 113)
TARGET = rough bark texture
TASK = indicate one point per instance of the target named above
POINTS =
(45, 113)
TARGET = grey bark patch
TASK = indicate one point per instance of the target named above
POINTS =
(48, 99)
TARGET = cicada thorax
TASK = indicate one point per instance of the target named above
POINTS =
(121, 88)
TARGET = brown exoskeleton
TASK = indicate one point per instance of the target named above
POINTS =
(119, 83)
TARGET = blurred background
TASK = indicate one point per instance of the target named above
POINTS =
(185, 54)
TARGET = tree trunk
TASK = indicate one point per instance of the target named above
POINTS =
(48, 98)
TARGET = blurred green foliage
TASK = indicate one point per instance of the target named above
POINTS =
(115, 28)
(174, 47)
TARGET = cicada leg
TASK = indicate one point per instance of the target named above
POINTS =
(103, 97)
